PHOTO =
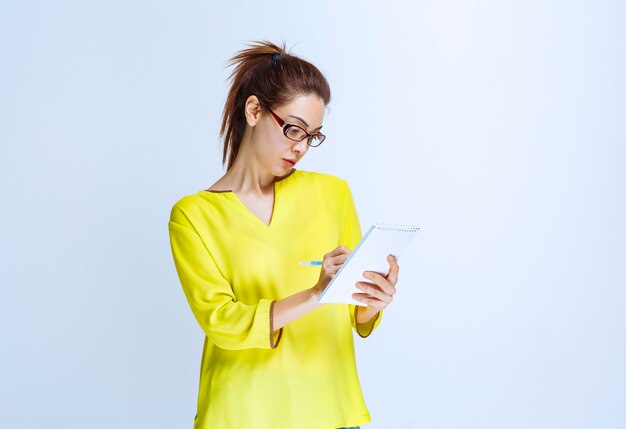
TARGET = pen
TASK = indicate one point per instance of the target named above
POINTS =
(310, 263)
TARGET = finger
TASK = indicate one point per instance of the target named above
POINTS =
(337, 251)
(333, 264)
(394, 268)
(381, 281)
(375, 291)
(369, 299)
(339, 260)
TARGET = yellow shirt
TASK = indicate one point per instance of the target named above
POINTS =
(232, 267)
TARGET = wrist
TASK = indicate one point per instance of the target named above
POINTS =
(365, 314)
(314, 294)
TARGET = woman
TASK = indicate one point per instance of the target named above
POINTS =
(273, 356)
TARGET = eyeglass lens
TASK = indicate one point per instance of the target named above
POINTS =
(296, 133)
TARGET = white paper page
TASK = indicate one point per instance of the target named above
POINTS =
(369, 255)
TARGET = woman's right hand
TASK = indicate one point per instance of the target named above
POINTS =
(330, 265)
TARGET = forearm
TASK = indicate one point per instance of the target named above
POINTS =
(294, 306)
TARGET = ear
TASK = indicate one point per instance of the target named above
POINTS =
(252, 110)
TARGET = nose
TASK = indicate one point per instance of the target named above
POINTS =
(301, 146)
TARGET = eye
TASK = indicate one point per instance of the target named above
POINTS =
(293, 132)
(317, 139)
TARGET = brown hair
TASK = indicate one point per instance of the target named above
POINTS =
(274, 79)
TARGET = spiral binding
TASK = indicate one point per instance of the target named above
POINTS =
(401, 228)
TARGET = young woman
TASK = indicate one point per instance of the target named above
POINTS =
(274, 358)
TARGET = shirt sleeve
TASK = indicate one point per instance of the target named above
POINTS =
(229, 323)
(350, 235)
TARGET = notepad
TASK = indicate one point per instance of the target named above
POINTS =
(369, 255)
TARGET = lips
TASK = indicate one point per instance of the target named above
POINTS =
(290, 161)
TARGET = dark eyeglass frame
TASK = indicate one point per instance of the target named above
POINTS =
(286, 126)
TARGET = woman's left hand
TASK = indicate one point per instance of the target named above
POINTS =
(379, 291)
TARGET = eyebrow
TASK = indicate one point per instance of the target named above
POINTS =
(304, 122)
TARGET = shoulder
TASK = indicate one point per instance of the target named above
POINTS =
(331, 190)
(323, 180)
(190, 207)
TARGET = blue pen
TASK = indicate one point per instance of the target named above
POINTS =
(310, 263)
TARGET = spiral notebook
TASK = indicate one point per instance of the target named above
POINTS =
(369, 255)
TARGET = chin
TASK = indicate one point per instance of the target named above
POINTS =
(280, 171)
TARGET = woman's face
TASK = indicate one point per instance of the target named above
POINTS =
(272, 146)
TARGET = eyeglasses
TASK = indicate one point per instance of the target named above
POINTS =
(297, 133)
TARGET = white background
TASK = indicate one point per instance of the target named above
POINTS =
(497, 127)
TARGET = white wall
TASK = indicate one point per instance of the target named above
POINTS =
(498, 127)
